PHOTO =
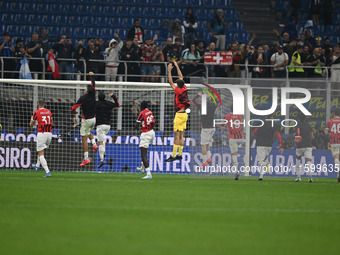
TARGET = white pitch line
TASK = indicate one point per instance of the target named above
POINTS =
(174, 209)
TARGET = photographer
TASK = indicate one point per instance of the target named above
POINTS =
(157, 56)
(64, 50)
(7, 50)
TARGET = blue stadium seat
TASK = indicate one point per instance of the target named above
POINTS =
(97, 32)
(53, 31)
(163, 12)
(319, 30)
(61, 9)
(102, 10)
(151, 12)
(329, 30)
(147, 23)
(281, 5)
(158, 3)
(139, 12)
(26, 30)
(68, 31)
(233, 26)
(305, 5)
(179, 13)
(122, 34)
(232, 15)
(163, 35)
(108, 33)
(202, 25)
(64, 20)
(113, 11)
(244, 37)
(205, 14)
(229, 36)
(336, 18)
(83, 32)
(126, 12)
(80, 21)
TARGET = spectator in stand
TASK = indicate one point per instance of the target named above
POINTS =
(79, 57)
(235, 70)
(291, 28)
(167, 47)
(35, 50)
(178, 42)
(45, 41)
(201, 50)
(190, 24)
(317, 61)
(157, 56)
(137, 32)
(309, 39)
(307, 27)
(190, 60)
(217, 28)
(266, 50)
(279, 60)
(112, 58)
(315, 8)
(146, 67)
(284, 40)
(129, 52)
(326, 46)
(259, 59)
(135, 42)
(291, 47)
(92, 54)
(7, 50)
(174, 55)
(335, 64)
(295, 68)
(305, 54)
(175, 29)
(294, 9)
(99, 45)
(19, 52)
(64, 50)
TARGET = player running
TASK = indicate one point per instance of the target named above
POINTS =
(87, 103)
(103, 120)
(235, 134)
(147, 122)
(45, 122)
(333, 128)
(181, 104)
(264, 143)
(303, 139)
(208, 129)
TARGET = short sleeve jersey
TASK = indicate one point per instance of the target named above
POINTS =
(44, 119)
(234, 125)
(147, 120)
(333, 126)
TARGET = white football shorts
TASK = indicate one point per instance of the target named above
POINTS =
(146, 139)
(86, 126)
(102, 131)
(43, 140)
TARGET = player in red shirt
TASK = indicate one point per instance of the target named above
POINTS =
(181, 104)
(147, 123)
(333, 128)
(45, 123)
(235, 134)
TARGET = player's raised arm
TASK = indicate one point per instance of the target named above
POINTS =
(280, 140)
(116, 103)
(172, 84)
(93, 81)
(180, 75)
(32, 122)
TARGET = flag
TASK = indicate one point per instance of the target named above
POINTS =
(53, 66)
(218, 58)
(25, 72)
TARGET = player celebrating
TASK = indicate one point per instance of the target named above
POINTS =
(235, 135)
(303, 139)
(103, 121)
(146, 120)
(88, 106)
(264, 143)
(45, 122)
(208, 129)
(181, 104)
(333, 128)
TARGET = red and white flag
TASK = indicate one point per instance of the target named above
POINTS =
(218, 58)
(53, 66)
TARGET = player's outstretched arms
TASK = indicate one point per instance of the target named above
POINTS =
(170, 67)
(180, 75)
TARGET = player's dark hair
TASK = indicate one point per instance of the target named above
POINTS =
(41, 102)
(90, 89)
(144, 105)
(180, 83)
(337, 111)
(101, 96)
(302, 117)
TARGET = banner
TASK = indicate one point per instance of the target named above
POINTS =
(218, 58)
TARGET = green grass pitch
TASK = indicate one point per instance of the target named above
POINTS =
(92, 213)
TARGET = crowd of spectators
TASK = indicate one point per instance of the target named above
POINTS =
(293, 50)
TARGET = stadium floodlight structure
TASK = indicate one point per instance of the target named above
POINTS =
(18, 101)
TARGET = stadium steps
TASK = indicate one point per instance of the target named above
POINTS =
(258, 18)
